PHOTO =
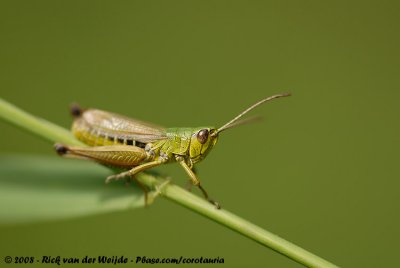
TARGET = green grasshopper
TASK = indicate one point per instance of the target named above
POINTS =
(135, 146)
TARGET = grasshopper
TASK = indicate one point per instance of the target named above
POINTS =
(135, 146)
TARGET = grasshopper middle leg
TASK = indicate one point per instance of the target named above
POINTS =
(134, 170)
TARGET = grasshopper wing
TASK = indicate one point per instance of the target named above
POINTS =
(115, 125)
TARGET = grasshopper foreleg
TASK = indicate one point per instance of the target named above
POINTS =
(196, 181)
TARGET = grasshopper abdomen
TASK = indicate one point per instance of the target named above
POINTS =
(102, 134)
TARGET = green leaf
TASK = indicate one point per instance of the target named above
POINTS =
(37, 188)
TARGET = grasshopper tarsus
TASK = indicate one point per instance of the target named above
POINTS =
(205, 194)
(215, 203)
(117, 177)
(108, 179)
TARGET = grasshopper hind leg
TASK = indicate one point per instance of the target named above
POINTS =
(115, 155)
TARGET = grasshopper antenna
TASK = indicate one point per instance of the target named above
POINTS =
(234, 122)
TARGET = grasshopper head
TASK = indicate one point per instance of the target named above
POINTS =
(203, 139)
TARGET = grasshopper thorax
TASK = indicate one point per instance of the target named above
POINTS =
(202, 141)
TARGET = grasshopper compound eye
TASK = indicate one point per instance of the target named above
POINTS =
(202, 136)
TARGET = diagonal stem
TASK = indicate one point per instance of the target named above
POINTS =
(55, 133)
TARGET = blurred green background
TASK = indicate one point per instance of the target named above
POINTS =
(321, 170)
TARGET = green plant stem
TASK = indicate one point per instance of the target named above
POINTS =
(42, 128)
(55, 133)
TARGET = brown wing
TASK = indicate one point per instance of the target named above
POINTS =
(111, 124)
